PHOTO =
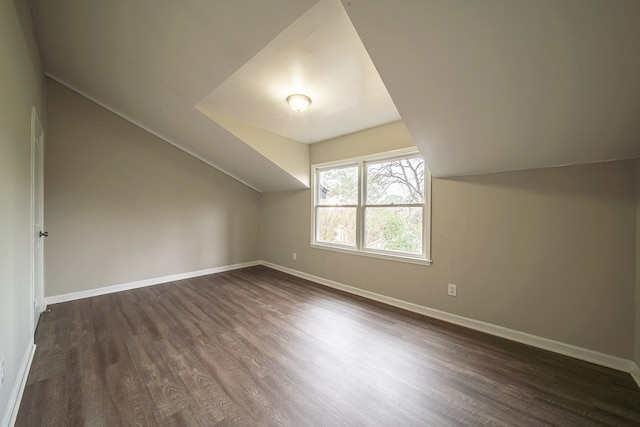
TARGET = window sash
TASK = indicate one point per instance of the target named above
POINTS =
(366, 177)
(318, 181)
(406, 240)
(338, 241)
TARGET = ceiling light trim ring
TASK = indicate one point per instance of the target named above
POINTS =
(298, 102)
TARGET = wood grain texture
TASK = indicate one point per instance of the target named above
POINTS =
(259, 347)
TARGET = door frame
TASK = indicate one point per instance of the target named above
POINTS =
(37, 203)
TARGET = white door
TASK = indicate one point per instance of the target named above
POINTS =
(37, 217)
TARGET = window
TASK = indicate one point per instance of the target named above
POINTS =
(375, 206)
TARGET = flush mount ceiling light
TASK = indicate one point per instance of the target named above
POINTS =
(298, 102)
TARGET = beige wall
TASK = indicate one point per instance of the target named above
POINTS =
(122, 205)
(21, 87)
(392, 136)
(547, 252)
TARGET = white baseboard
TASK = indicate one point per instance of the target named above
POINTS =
(635, 373)
(598, 358)
(143, 283)
(11, 410)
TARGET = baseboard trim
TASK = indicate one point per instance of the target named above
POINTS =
(635, 373)
(598, 358)
(580, 353)
(143, 283)
(13, 405)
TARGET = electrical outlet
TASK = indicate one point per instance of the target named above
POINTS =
(295, 256)
(452, 290)
(1, 371)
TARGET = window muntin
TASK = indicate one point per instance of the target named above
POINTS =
(374, 207)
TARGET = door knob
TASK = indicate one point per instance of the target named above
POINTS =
(45, 234)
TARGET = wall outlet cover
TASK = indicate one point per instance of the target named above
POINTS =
(452, 290)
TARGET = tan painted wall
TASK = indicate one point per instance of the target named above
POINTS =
(122, 205)
(547, 252)
(21, 87)
(387, 137)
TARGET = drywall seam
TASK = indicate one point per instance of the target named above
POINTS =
(13, 405)
(598, 358)
(143, 283)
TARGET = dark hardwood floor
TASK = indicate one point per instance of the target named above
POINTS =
(259, 347)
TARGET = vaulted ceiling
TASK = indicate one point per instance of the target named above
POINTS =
(482, 86)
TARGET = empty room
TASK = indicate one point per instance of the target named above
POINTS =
(320, 213)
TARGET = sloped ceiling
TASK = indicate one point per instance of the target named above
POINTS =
(482, 86)
(502, 85)
(152, 61)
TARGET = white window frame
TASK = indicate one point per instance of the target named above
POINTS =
(424, 258)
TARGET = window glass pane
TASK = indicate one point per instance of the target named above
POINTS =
(336, 225)
(338, 186)
(397, 181)
(394, 229)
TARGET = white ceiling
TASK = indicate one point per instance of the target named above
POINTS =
(482, 86)
(319, 55)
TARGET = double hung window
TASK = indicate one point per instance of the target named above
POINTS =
(376, 206)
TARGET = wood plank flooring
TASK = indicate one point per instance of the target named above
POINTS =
(257, 347)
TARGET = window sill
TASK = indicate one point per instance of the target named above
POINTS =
(397, 258)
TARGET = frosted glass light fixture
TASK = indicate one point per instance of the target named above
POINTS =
(298, 102)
